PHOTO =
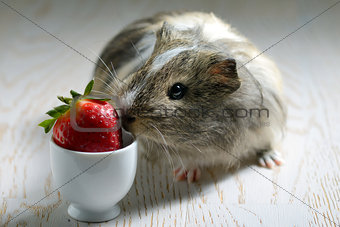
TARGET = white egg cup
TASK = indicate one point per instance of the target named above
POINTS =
(95, 182)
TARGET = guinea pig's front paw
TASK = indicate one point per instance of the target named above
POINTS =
(269, 158)
(189, 174)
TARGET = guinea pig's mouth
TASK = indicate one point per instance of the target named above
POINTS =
(133, 125)
(140, 128)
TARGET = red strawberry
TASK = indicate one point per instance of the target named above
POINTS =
(90, 113)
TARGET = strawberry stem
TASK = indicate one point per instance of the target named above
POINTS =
(58, 111)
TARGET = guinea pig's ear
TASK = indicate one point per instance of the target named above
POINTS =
(166, 31)
(225, 74)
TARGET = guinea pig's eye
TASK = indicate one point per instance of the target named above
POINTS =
(177, 91)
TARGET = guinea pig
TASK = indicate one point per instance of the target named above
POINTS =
(192, 90)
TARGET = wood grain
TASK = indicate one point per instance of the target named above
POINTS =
(35, 67)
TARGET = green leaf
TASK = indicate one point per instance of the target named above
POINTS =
(62, 109)
(53, 113)
(65, 99)
(50, 126)
(74, 94)
(89, 87)
(47, 124)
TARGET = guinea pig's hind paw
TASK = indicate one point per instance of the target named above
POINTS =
(191, 174)
(269, 159)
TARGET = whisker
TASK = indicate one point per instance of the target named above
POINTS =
(107, 73)
(160, 134)
(137, 51)
(174, 151)
(115, 78)
(179, 157)
(164, 147)
(105, 95)
(107, 85)
(99, 92)
(181, 162)
(168, 156)
(149, 148)
(196, 147)
(114, 71)
(112, 89)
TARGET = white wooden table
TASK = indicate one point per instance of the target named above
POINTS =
(35, 67)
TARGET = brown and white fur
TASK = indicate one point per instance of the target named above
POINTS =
(215, 63)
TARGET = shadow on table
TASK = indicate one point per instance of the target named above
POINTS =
(155, 187)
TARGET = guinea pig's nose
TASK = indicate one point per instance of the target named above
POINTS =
(130, 119)
(127, 121)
